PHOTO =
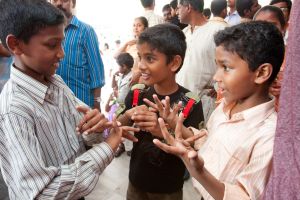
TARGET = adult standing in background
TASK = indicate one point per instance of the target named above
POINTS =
(82, 67)
(199, 64)
(247, 9)
(153, 19)
(175, 20)
(233, 17)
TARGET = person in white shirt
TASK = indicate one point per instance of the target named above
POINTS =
(199, 63)
(153, 19)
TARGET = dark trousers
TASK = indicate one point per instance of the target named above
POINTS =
(134, 193)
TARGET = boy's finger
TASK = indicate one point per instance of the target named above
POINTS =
(192, 139)
(178, 128)
(177, 107)
(150, 103)
(167, 136)
(83, 109)
(167, 104)
(166, 148)
(158, 103)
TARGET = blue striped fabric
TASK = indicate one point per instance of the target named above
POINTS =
(82, 67)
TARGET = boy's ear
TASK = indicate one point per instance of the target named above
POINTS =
(14, 44)
(263, 73)
(175, 63)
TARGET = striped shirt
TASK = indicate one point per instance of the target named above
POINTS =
(82, 67)
(238, 151)
(152, 18)
(41, 155)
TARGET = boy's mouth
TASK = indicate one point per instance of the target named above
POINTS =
(145, 76)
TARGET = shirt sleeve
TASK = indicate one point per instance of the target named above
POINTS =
(29, 176)
(252, 180)
(94, 59)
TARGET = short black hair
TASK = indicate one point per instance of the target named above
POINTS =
(125, 59)
(165, 38)
(144, 21)
(217, 6)
(25, 18)
(256, 42)
(242, 5)
(147, 3)
(276, 11)
(174, 4)
(207, 13)
(288, 2)
(196, 4)
(166, 7)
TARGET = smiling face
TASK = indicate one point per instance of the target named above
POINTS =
(153, 66)
(40, 56)
(234, 78)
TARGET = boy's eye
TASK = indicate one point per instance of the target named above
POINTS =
(226, 69)
(51, 45)
(149, 58)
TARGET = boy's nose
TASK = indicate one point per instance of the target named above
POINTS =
(61, 53)
(217, 76)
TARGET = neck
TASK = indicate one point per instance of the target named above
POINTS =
(26, 70)
(252, 101)
(167, 87)
(197, 19)
(69, 20)
(231, 10)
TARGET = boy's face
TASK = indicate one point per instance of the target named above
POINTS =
(123, 69)
(153, 65)
(40, 56)
(234, 78)
(66, 6)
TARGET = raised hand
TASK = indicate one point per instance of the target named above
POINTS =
(117, 132)
(180, 147)
(92, 121)
(170, 115)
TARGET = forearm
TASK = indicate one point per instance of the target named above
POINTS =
(212, 185)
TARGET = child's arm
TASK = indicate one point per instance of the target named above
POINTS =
(193, 162)
(26, 170)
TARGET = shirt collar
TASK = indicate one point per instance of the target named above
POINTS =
(74, 21)
(37, 89)
(252, 115)
(34, 87)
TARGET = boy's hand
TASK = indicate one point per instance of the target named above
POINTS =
(180, 147)
(169, 115)
(129, 113)
(93, 121)
(118, 132)
(147, 121)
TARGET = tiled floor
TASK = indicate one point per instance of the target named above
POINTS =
(113, 183)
